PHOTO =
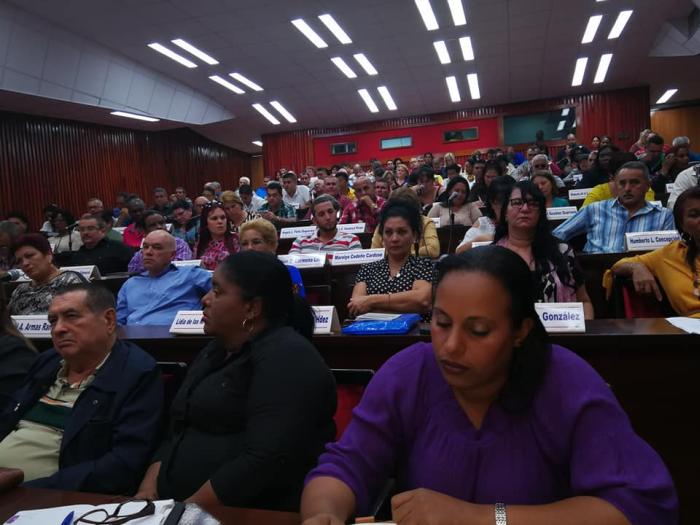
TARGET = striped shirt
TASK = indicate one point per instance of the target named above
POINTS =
(605, 224)
(341, 242)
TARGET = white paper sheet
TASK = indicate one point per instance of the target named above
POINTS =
(687, 324)
(56, 515)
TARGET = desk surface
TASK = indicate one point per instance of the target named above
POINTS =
(28, 499)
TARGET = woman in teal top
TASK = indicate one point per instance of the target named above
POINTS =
(544, 180)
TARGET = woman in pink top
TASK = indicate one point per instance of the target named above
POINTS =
(215, 241)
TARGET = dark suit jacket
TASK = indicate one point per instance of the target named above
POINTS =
(15, 360)
(113, 427)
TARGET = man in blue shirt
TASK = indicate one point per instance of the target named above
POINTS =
(606, 222)
(155, 296)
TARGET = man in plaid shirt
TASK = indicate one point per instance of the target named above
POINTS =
(324, 210)
(365, 208)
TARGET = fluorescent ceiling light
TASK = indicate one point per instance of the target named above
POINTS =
(171, 54)
(228, 85)
(388, 100)
(368, 100)
(347, 71)
(467, 51)
(334, 28)
(196, 52)
(664, 98)
(442, 52)
(134, 116)
(245, 81)
(561, 125)
(473, 81)
(457, 10)
(283, 111)
(579, 71)
(365, 63)
(591, 29)
(602, 70)
(565, 112)
(426, 12)
(258, 143)
(265, 113)
(620, 24)
(309, 33)
(453, 88)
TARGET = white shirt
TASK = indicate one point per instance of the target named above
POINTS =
(300, 198)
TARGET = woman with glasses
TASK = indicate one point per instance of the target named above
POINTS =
(523, 228)
(216, 241)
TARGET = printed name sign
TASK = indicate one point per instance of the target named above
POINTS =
(561, 213)
(580, 194)
(643, 241)
(437, 221)
(561, 317)
(297, 231)
(186, 264)
(33, 326)
(188, 322)
(355, 257)
(326, 320)
(358, 227)
(89, 272)
(304, 260)
(669, 187)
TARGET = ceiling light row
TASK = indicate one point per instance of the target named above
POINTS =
(182, 44)
(386, 97)
(271, 117)
(465, 44)
(600, 74)
(472, 82)
(428, 15)
(233, 87)
(666, 96)
(315, 38)
(617, 28)
(348, 71)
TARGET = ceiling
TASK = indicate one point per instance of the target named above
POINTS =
(525, 49)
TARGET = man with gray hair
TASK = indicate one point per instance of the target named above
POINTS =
(606, 222)
(109, 256)
(684, 142)
(324, 213)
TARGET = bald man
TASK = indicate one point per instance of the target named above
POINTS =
(155, 296)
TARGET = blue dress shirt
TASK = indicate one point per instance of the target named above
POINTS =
(146, 300)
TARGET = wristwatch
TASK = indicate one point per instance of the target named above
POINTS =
(500, 512)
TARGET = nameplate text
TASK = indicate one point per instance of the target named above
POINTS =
(357, 227)
(561, 213)
(579, 194)
(187, 264)
(644, 241)
(33, 326)
(297, 231)
(561, 317)
(304, 260)
(188, 322)
(355, 257)
(326, 320)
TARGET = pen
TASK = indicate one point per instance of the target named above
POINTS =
(68, 520)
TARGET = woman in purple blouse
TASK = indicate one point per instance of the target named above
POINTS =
(216, 241)
(490, 423)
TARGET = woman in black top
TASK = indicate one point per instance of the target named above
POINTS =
(257, 404)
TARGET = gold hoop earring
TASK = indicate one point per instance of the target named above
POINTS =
(247, 328)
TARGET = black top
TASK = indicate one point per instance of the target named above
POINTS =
(252, 423)
(108, 256)
(15, 360)
(592, 178)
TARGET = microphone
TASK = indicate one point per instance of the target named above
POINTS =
(71, 226)
(11, 275)
(452, 198)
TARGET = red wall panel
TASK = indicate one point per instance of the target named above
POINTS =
(64, 162)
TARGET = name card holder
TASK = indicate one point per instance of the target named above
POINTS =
(437, 221)
(643, 241)
(89, 272)
(33, 326)
(476, 244)
(358, 227)
(562, 317)
(669, 187)
(304, 260)
(297, 231)
(580, 194)
(188, 322)
(355, 257)
(561, 213)
(188, 263)
(326, 320)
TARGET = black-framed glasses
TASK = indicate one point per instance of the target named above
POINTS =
(102, 517)
(519, 203)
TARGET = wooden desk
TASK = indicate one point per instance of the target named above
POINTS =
(28, 499)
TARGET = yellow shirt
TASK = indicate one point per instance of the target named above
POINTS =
(670, 268)
(429, 245)
(602, 192)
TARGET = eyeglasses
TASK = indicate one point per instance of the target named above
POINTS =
(519, 203)
(213, 204)
(116, 517)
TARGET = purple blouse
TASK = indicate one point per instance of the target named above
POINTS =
(574, 440)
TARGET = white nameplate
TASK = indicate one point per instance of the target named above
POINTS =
(358, 227)
(643, 241)
(580, 194)
(304, 260)
(326, 320)
(33, 326)
(577, 177)
(561, 213)
(89, 272)
(188, 322)
(297, 231)
(437, 221)
(561, 317)
(476, 244)
(120, 229)
(188, 263)
(669, 187)
(355, 257)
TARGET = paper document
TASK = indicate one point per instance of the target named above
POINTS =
(687, 324)
(56, 515)
(376, 316)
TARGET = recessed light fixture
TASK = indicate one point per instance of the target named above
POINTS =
(664, 98)
(368, 100)
(283, 111)
(467, 51)
(194, 51)
(591, 29)
(365, 63)
(335, 28)
(565, 112)
(265, 113)
(245, 81)
(473, 81)
(228, 85)
(427, 14)
(602, 70)
(561, 125)
(309, 33)
(258, 143)
(386, 96)
(453, 88)
(134, 116)
(347, 70)
(620, 24)
(579, 71)
(457, 10)
(171, 54)
(442, 52)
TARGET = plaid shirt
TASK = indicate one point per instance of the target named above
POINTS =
(341, 242)
(285, 211)
(358, 211)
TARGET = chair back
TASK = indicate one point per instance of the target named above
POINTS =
(350, 385)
